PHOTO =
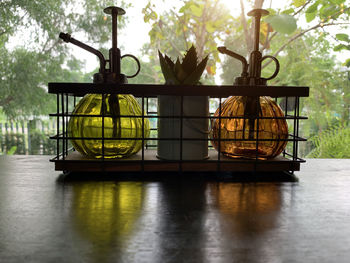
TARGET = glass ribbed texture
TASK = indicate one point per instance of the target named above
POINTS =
(114, 126)
(243, 128)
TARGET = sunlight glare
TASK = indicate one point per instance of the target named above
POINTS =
(233, 6)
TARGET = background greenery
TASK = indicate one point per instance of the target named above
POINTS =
(298, 35)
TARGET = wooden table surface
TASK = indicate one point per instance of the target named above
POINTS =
(46, 217)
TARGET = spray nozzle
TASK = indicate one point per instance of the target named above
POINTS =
(251, 73)
(111, 74)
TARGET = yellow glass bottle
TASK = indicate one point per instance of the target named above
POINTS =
(122, 129)
(115, 127)
(251, 137)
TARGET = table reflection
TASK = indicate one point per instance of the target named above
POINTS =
(244, 203)
(247, 213)
(178, 219)
(104, 213)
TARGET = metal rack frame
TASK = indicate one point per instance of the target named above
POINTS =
(67, 159)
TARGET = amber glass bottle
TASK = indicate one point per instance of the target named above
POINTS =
(251, 137)
(115, 127)
(252, 127)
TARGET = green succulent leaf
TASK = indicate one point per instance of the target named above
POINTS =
(179, 71)
(189, 62)
(169, 61)
(168, 72)
(195, 76)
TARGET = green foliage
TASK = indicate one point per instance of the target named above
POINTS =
(332, 143)
(312, 8)
(322, 13)
(41, 57)
(201, 23)
(12, 150)
(150, 72)
(344, 45)
(298, 3)
(232, 68)
(12, 143)
(40, 142)
(342, 37)
(329, 99)
(22, 91)
(347, 63)
(326, 10)
(282, 23)
(301, 65)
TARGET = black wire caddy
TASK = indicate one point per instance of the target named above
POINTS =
(111, 81)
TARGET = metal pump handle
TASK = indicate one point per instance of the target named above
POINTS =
(256, 58)
(277, 66)
(67, 38)
(226, 51)
(114, 54)
(138, 65)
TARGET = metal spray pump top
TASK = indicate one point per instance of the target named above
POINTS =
(113, 73)
(251, 73)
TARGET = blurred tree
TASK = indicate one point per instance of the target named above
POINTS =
(150, 73)
(40, 57)
(202, 23)
(332, 143)
(282, 23)
(304, 55)
(302, 65)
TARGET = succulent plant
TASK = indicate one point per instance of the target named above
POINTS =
(187, 72)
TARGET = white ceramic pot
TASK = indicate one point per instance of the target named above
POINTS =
(191, 128)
